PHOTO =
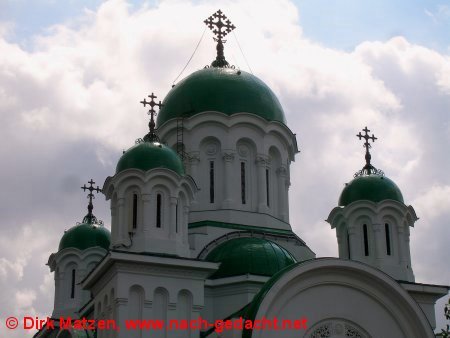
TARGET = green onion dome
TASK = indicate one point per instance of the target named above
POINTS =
(225, 90)
(150, 155)
(249, 255)
(84, 236)
(373, 188)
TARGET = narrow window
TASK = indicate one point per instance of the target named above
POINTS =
(348, 245)
(211, 181)
(72, 290)
(176, 218)
(135, 206)
(158, 211)
(388, 239)
(243, 182)
(366, 241)
(267, 188)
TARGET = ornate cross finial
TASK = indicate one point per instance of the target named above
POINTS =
(366, 137)
(219, 24)
(368, 169)
(151, 136)
(90, 218)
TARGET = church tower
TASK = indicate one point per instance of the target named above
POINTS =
(148, 272)
(372, 221)
(80, 249)
(150, 197)
(230, 130)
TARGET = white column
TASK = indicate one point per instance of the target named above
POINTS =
(146, 214)
(282, 195)
(341, 236)
(194, 160)
(115, 231)
(184, 230)
(228, 158)
(401, 246)
(59, 286)
(378, 236)
(122, 224)
(172, 217)
(354, 252)
(261, 164)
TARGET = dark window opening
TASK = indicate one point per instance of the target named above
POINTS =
(135, 206)
(72, 290)
(211, 181)
(176, 218)
(267, 188)
(366, 241)
(243, 182)
(158, 211)
(388, 239)
(348, 246)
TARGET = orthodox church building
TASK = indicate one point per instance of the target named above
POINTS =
(200, 229)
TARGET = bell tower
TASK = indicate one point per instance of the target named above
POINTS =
(372, 221)
(150, 196)
(80, 249)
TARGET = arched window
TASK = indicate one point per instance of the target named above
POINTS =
(158, 210)
(72, 286)
(243, 195)
(133, 200)
(211, 181)
(134, 211)
(267, 188)
(388, 239)
(176, 218)
(366, 241)
(348, 245)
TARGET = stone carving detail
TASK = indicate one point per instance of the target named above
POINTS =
(322, 331)
(336, 328)
(228, 156)
(262, 160)
(350, 331)
(243, 150)
(211, 148)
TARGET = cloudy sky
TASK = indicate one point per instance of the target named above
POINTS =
(72, 74)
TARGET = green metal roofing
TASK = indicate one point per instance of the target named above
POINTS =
(253, 307)
(249, 255)
(83, 236)
(150, 155)
(373, 188)
(225, 90)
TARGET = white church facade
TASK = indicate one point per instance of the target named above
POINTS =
(200, 229)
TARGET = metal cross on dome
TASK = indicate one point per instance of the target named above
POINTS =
(216, 26)
(366, 137)
(90, 218)
(151, 136)
(368, 168)
(220, 25)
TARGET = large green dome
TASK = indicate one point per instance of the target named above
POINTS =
(84, 236)
(373, 188)
(225, 90)
(150, 155)
(249, 255)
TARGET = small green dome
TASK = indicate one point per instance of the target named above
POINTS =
(373, 188)
(225, 90)
(83, 236)
(249, 255)
(150, 155)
